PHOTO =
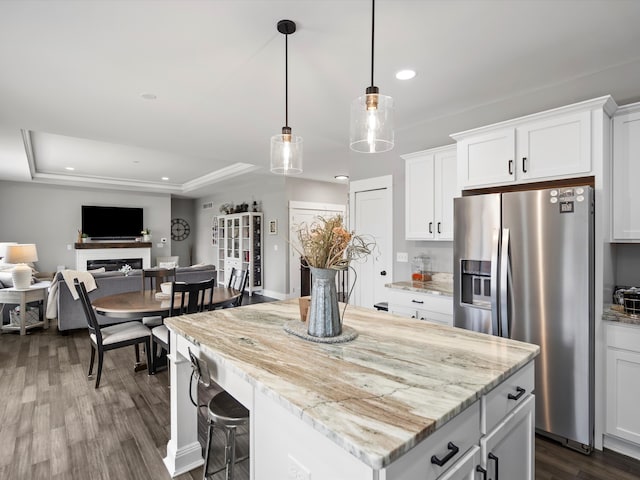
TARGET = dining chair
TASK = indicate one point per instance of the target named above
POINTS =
(224, 412)
(187, 298)
(114, 336)
(237, 280)
(151, 280)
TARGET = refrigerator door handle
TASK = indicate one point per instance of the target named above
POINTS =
(495, 253)
(504, 290)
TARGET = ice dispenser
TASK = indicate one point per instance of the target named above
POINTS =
(476, 283)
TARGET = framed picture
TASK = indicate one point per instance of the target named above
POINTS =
(273, 227)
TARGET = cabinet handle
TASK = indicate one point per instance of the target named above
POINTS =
(517, 396)
(441, 461)
(524, 164)
(417, 301)
(510, 167)
(430, 227)
(439, 227)
(493, 457)
(481, 470)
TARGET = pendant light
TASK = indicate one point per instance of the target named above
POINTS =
(371, 114)
(286, 149)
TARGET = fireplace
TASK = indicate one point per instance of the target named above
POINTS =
(114, 264)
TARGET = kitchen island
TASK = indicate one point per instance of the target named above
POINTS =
(402, 397)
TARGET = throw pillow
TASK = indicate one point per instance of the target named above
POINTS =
(167, 265)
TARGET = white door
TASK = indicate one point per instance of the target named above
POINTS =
(372, 215)
(299, 213)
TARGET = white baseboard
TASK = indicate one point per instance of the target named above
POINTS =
(622, 446)
(185, 460)
(272, 294)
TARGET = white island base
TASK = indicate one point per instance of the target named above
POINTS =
(306, 426)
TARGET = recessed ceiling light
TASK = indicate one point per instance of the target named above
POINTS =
(341, 177)
(71, 169)
(165, 178)
(405, 74)
(149, 96)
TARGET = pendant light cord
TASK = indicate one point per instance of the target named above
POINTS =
(286, 80)
(373, 23)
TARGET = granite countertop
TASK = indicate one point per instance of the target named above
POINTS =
(615, 313)
(377, 396)
(441, 284)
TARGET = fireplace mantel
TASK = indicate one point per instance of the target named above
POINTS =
(112, 251)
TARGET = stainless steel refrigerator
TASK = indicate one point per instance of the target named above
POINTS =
(523, 269)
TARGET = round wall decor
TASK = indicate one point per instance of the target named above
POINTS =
(180, 229)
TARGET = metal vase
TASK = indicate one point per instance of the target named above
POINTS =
(324, 313)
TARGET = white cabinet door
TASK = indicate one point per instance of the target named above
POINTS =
(487, 159)
(445, 189)
(554, 147)
(623, 382)
(623, 392)
(419, 198)
(626, 172)
(508, 451)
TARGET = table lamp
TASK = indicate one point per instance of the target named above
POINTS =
(3, 248)
(20, 255)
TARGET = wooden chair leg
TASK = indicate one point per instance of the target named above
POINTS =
(93, 357)
(154, 353)
(136, 346)
(100, 358)
(150, 365)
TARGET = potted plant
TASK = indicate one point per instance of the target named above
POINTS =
(84, 237)
(146, 235)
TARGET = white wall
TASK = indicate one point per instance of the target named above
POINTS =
(50, 217)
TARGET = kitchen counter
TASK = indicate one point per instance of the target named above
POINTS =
(615, 313)
(376, 397)
(441, 284)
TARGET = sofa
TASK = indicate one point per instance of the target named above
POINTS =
(69, 311)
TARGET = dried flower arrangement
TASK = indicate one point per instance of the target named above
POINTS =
(327, 244)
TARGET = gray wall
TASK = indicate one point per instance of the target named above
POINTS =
(627, 264)
(273, 194)
(441, 253)
(50, 217)
(184, 208)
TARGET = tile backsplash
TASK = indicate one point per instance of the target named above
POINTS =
(441, 254)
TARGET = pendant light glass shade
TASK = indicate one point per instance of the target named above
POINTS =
(286, 149)
(372, 118)
(371, 123)
(286, 153)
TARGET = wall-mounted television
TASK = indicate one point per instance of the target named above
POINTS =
(112, 223)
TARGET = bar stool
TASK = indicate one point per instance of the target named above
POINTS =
(225, 412)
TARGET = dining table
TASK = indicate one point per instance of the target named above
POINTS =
(138, 304)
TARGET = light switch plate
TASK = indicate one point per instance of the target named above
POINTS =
(402, 257)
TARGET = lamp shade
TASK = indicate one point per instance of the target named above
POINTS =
(22, 253)
(286, 154)
(372, 123)
(3, 247)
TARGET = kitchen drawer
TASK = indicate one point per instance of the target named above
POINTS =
(437, 317)
(462, 431)
(420, 301)
(496, 404)
(626, 337)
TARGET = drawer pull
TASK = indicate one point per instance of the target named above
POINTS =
(517, 396)
(418, 301)
(440, 462)
(481, 470)
(493, 457)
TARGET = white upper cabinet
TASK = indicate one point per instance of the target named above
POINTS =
(626, 172)
(546, 146)
(430, 187)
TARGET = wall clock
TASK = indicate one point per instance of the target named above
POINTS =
(179, 229)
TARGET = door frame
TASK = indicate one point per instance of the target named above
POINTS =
(365, 185)
(316, 207)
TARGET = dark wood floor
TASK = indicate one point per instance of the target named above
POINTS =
(54, 424)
